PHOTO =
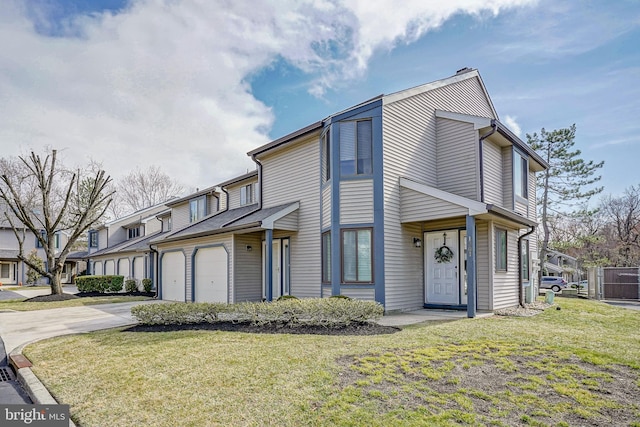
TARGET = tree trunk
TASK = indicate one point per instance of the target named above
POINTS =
(56, 283)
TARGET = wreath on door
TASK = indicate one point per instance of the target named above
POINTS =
(443, 253)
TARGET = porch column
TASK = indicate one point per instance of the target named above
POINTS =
(471, 266)
(268, 280)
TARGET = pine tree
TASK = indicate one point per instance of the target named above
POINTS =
(568, 182)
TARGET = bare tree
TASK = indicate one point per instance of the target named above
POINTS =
(143, 188)
(70, 201)
(623, 214)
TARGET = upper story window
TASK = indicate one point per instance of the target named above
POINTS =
(326, 157)
(246, 195)
(197, 209)
(93, 239)
(520, 175)
(168, 223)
(356, 148)
(133, 232)
(43, 238)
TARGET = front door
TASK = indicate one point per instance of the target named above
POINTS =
(441, 263)
(279, 268)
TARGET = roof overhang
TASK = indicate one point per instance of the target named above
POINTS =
(268, 222)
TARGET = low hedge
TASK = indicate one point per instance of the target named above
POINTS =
(327, 312)
(99, 283)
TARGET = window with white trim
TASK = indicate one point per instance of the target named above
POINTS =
(133, 232)
(5, 271)
(357, 256)
(520, 175)
(356, 148)
(246, 195)
(197, 209)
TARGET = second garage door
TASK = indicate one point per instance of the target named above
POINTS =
(173, 283)
(211, 275)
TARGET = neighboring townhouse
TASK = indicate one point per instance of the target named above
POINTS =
(121, 247)
(562, 265)
(12, 270)
(420, 198)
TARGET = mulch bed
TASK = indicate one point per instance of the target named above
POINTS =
(353, 329)
(64, 297)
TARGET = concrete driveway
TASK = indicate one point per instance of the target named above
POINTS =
(631, 305)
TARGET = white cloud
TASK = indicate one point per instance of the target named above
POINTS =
(164, 82)
(511, 123)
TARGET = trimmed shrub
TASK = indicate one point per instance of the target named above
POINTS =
(100, 283)
(340, 296)
(283, 297)
(131, 285)
(326, 312)
(147, 284)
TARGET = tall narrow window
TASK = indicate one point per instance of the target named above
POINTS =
(356, 148)
(326, 257)
(57, 240)
(525, 261)
(197, 209)
(326, 157)
(357, 256)
(520, 175)
(501, 249)
(43, 238)
(93, 239)
(246, 195)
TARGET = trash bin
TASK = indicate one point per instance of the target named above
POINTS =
(549, 297)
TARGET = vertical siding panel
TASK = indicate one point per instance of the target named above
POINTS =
(409, 150)
(456, 158)
(493, 173)
(291, 175)
(356, 201)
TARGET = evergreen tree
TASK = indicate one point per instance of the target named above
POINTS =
(568, 182)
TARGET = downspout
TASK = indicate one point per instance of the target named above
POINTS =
(520, 290)
(253, 157)
(494, 127)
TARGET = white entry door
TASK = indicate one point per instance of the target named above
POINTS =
(276, 270)
(442, 275)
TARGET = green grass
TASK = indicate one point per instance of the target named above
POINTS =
(24, 288)
(575, 366)
(22, 305)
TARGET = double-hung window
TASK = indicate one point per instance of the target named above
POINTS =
(134, 232)
(356, 148)
(520, 175)
(246, 195)
(5, 271)
(357, 256)
(93, 239)
(197, 209)
(501, 249)
(326, 257)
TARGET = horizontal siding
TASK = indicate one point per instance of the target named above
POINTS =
(483, 265)
(533, 214)
(493, 173)
(507, 177)
(445, 224)
(409, 138)
(356, 201)
(248, 267)
(180, 216)
(326, 291)
(103, 239)
(416, 206)
(362, 294)
(505, 284)
(456, 158)
(188, 247)
(293, 175)
(234, 193)
(152, 226)
(326, 207)
(288, 222)
(522, 208)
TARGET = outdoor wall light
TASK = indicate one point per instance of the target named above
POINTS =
(417, 242)
(249, 248)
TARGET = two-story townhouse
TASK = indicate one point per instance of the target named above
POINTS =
(420, 198)
(122, 246)
(12, 270)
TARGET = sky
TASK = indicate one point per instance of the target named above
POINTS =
(193, 85)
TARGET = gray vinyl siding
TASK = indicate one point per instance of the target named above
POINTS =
(522, 208)
(507, 177)
(293, 175)
(103, 238)
(362, 294)
(234, 193)
(151, 226)
(409, 150)
(532, 196)
(288, 222)
(248, 267)
(405, 261)
(416, 206)
(188, 246)
(493, 173)
(326, 207)
(505, 284)
(483, 264)
(356, 201)
(456, 158)
(180, 216)
(326, 291)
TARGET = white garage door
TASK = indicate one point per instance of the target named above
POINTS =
(138, 268)
(97, 268)
(173, 285)
(123, 268)
(211, 278)
(109, 268)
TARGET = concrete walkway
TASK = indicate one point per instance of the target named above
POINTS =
(424, 315)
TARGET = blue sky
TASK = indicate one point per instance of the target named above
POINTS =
(126, 82)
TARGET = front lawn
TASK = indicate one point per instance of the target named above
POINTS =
(22, 305)
(574, 366)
